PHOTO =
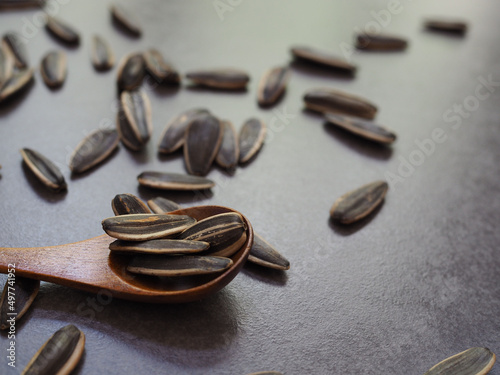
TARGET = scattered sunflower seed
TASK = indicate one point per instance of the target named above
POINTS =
(376, 42)
(272, 85)
(333, 101)
(251, 138)
(263, 254)
(130, 71)
(174, 181)
(125, 19)
(160, 246)
(54, 68)
(59, 355)
(137, 110)
(225, 233)
(359, 203)
(16, 83)
(14, 44)
(21, 3)
(125, 132)
(126, 204)
(229, 150)
(317, 56)
(473, 361)
(93, 149)
(44, 170)
(62, 31)
(143, 227)
(6, 65)
(450, 26)
(229, 79)
(160, 205)
(159, 69)
(362, 128)
(25, 291)
(101, 54)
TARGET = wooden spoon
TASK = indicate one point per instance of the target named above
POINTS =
(88, 265)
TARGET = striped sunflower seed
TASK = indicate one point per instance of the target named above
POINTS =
(18, 4)
(229, 150)
(202, 142)
(359, 203)
(272, 85)
(316, 56)
(44, 170)
(228, 79)
(333, 101)
(25, 291)
(101, 54)
(174, 181)
(126, 204)
(444, 25)
(172, 138)
(16, 83)
(159, 69)
(143, 227)
(377, 42)
(93, 149)
(473, 361)
(187, 265)
(130, 72)
(6, 65)
(14, 44)
(62, 31)
(362, 128)
(54, 68)
(225, 233)
(125, 132)
(59, 355)
(251, 138)
(263, 254)
(160, 205)
(160, 246)
(125, 19)
(137, 118)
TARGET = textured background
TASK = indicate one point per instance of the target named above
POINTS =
(394, 294)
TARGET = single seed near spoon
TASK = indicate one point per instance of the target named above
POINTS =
(125, 19)
(25, 291)
(377, 42)
(142, 227)
(16, 83)
(137, 110)
(54, 68)
(6, 65)
(93, 149)
(160, 205)
(359, 203)
(101, 53)
(62, 31)
(444, 25)
(130, 71)
(161, 246)
(59, 355)
(228, 79)
(229, 151)
(174, 181)
(272, 85)
(263, 254)
(317, 56)
(362, 128)
(473, 361)
(159, 69)
(333, 101)
(13, 43)
(251, 138)
(44, 169)
(125, 204)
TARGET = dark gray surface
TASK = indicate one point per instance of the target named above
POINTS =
(395, 294)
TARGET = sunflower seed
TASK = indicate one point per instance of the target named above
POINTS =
(333, 101)
(263, 254)
(251, 138)
(14, 44)
(225, 233)
(62, 31)
(6, 65)
(44, 170)
(187, 265)
(376, 42)
(230, 79)
(473, 361)
(229, 150)
(93, 149)
(125, 19)
(54, 68)
(21, 3)
(160, 205)
(362, 128)
(125, 132)
(317, 56)
(174, 181)
(137, 110)
(142, 227)
(272, 85)
(25, 291)
(357, 204)
(173, 136)
(126, 204)
(16, 83)
(202, 142)
(59, 355)
(160, 246)
(102, 55)
(450, 26)
(130, 72)
(159, 69)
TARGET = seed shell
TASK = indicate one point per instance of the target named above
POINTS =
(54, 68)
(333, 101)
(202, 142)
(130, 71)
(137, 109)
(229, 150)
(443, 25)
(376, 42)
(125, 19)
(225, 233)
(14, 44)
(93, 149)
(6, 65)
(62, 31)
(16, 83)
(251, 138)
(101, 54)
(174, 181)
(263, 254)
(159, 69)
(125, 132)
(473, 361)
(362, 128)
(143, 227)
(126, 204)
(316, 56)
(272, 85)
(160, 246)
(160, 205)
(229, 79)
(25, 291)
(172, 138)
(59, 355)
(44, 170)
(359, 203)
